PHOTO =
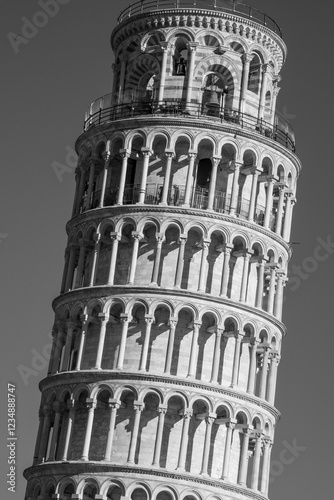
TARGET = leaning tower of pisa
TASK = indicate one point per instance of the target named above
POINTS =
(168, 329)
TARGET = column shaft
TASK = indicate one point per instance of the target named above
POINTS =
(136, 237)
(113, 414)
(103, 326)
(216, 357)
(149, 321)
(203, 268)
(264, 373)
(125, 155)
(226, 268)
(170, 348)
(91, 405)
(193, 351)
(134, 435)
(164, 196)
(256, 463)
(243, 458)
(236, 359)
(115, 237)
(142, 190)
(82, 341)
(184, 442)
(120, 360)
(158, 441)
(180, 261)
(192, 155)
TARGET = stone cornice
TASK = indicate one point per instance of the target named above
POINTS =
(95, 468)
(91, 376)
(102, 213)
(108, 128)
(119, 290)
(193, 11)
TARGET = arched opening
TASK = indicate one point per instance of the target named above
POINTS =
(92, 334)
(124, 255)
(206, 346)
(79, 426)
(146, 256)
(123, 428)
(139, 494)
(254, 74)
(180, 58)
(147, 431)
(135, 338)
(68, 491)
(114, 493)
(215, 90)
(89, 492)
(172, 433)
(100, 426)
(196, 438)
(113, 338)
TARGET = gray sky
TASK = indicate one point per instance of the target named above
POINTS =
(46, 87)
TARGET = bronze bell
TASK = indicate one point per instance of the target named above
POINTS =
(212, 100)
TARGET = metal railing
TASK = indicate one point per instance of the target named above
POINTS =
(229, 6)
(176, 197)
(101, 112)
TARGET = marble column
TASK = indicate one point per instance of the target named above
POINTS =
(91, 405)
(226, 267)
(264, 371)
(58, 409)
(269, 201)
(213, 180)
(216, 356)
(138, 408)
(207, 440)
(165, 46)
(189, 182)
(194, 350)
(236, 359)
(192, 46)
(149, 320)
(160, 238)
(104, 318)
(272, 377)
(230, 426)
(235, 189)
(125, 154)
(146, 152)
(172, 323)
(115, 238)
(252, 366)
(245, 272)
(256, 461)
(263, 91)
(162, 410)
(136, 239)
(246, 59)
(203, 268)
(169, 153)
(125, 324)
(84, 328)
(256, 172)
(244, 457)
(106, 158)
(114, 405)
(184, 441)
(96, 252)
(180, 261)
(70, 418)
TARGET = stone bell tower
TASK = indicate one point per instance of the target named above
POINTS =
(168, 327)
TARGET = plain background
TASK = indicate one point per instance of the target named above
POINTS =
(45, 90)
